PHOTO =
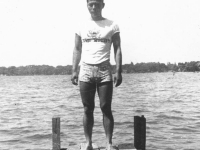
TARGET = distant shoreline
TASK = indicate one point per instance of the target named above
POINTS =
(31, 70)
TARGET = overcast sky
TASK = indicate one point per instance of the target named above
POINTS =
(37, 32)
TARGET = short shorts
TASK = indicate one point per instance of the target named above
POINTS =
(97, 73)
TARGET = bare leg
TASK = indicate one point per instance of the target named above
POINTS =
(87, 91)
(105, 91)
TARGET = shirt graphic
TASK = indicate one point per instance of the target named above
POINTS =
(95, 36)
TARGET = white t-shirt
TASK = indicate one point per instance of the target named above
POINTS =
(96, 40)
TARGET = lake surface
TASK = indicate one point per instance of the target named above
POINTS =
(170, 104)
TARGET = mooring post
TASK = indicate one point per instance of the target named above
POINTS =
(140, 132)
(56, 133)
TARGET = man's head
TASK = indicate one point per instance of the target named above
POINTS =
(95, 7)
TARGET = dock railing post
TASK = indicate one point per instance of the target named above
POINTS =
(56, 133)
(140, 132)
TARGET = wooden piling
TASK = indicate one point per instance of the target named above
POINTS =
(140, 132)
(56, 133)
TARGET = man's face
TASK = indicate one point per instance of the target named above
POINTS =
(95, 7)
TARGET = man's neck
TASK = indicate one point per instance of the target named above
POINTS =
(97, 18)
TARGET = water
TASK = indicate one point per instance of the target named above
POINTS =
(170, 104)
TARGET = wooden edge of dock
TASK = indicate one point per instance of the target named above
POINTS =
(125, 146)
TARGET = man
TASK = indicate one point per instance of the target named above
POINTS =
(93, 40)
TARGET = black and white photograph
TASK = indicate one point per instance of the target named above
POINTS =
(99, 75)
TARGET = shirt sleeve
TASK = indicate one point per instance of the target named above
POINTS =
(115, 28)
(77, 30)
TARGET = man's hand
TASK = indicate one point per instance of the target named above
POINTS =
(117, 79)
(74, 78)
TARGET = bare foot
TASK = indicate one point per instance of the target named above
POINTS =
(89, 148)
(86, 147)
(111, 147)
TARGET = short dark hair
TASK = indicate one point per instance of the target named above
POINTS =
(99, 0)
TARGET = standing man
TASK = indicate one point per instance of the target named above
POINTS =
(93, 40)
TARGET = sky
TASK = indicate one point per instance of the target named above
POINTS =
(41, 32)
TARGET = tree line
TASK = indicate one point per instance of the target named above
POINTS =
(192, 66)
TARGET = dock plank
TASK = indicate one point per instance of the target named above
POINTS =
(126, 146)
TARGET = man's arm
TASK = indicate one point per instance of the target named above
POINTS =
(76, 59)
(118, 58)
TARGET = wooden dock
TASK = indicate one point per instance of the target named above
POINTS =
(138, 144)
